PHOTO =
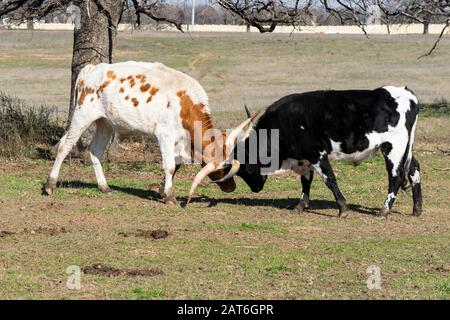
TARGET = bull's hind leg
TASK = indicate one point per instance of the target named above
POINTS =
(97, 147)
(306, 180)
(323, 167)
(78, 125)
(414, 180)
(394, 166)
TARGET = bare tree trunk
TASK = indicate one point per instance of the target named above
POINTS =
(30, 24)
(426, 24)
(93, 42)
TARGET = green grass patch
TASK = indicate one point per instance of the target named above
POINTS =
(140, 293)
(436, 109)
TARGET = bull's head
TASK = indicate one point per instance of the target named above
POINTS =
(230, 167)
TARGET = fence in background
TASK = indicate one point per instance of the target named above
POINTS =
(371, 29)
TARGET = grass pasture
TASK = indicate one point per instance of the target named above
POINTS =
(237, 245)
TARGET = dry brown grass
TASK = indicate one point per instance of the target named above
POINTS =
(237, 68)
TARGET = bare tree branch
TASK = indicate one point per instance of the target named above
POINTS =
(447, 25)
(265, 15)
(153, 9)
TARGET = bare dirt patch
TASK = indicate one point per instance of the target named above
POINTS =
(48, 231)
(441, 269)
(148, 234)
(104, 270)
(4, 234)
(155, 234)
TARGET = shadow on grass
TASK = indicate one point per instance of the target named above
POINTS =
(141, 193)
(285, 204)
(212, 202)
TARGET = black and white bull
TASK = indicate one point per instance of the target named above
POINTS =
(316, 127)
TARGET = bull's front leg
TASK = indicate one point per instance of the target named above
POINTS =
(163, 184)
(306, 180)
(323, 168)
(167, 147)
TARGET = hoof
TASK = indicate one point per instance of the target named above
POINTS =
(171, 201)
(300, 207)
(383, 213)
(170, 197)
(343, 209)
(343, 214)
(105, 189)
(49, 187)
(417, 212)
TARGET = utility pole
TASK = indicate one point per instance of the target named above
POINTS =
(193, 15)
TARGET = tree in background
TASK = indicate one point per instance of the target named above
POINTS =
(96, 30)
(403, 11)
(95, 36)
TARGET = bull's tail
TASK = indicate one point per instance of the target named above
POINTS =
(411, 122)
(74, 98)
(77, 87)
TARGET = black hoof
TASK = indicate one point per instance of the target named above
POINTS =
(343, 209)
(343, 214)
(300, 207)
(383, 213)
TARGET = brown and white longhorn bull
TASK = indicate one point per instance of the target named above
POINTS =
(136, 98)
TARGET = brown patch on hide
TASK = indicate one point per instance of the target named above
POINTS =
(80, 84)
(84, 93)
(102, 87)
(111, 75)
(145, 87)
(191, 112)
(154, 91)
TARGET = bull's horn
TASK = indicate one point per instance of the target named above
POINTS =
(206, 170)
(234, 169)
(233, 136)
(247, 110)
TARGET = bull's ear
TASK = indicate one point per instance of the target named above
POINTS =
(247, 111)
(251, 123)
